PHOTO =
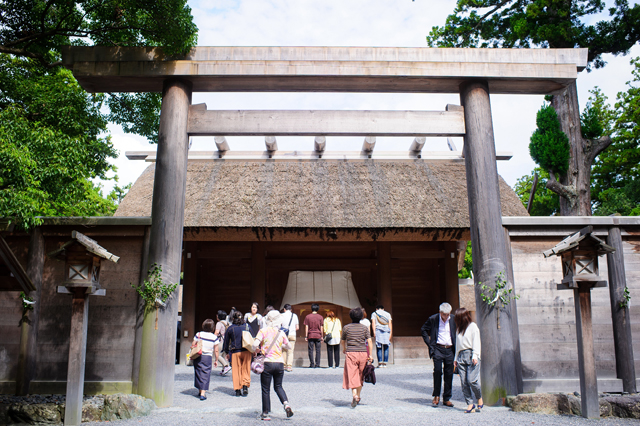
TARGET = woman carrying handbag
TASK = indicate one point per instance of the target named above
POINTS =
(332, 328)
(269, 342)
(207, 344)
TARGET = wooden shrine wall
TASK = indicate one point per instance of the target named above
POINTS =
(547, 319)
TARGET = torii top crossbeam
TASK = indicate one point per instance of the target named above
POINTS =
(325, 69)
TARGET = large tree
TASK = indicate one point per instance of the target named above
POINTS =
(53, 135)
(554, 24)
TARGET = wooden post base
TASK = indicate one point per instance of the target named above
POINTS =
(586, 355)
(77, 357)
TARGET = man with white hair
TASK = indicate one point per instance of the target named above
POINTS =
(439, 333)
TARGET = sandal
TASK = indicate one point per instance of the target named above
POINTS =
(471, 410)
(480, 407)
(355, 402)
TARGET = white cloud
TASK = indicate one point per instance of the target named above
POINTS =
(354, 23)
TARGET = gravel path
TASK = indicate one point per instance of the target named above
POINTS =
(401, 397)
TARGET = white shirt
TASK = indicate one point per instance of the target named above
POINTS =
(469, 340)
(444, 332)
(208, 341)
(288, 315)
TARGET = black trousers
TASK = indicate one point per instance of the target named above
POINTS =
(333, 352)
(443, 356)
(273, 370)
(315, 345)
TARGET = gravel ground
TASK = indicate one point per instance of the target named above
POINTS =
(402, 396)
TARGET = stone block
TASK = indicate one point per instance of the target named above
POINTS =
(35, 414)
(623, 406)
(126, 406)
(542, 403)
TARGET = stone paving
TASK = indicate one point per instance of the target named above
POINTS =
(401, 396)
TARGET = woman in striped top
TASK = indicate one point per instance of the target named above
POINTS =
(357, 350)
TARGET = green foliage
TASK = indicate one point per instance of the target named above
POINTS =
(50, 145)
(545, 201)
(541, 23)
(154, 292)
(549, 146)
(616, 172)
(626, 298)
(467, 269)
(498, 296)
(137, 113)
(26, 307)
(38, 29)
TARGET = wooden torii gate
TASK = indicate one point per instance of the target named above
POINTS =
(473, 73)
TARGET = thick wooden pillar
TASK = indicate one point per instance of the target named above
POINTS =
(498, 372)
(586, 355)
(620, 318)
(189, 299)
(29, 332)
(77, 357)
(258, 272)
(514, 319)
(157, 364)
(451, 274)
(137, 348)
(384, 290)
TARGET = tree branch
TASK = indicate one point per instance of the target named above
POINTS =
(491, 12)
(597, 146)
(564, 191)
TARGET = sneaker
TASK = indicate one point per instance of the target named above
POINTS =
(225, 370)
(265, 416)
(288, 410)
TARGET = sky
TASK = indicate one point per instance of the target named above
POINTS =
(398, 23)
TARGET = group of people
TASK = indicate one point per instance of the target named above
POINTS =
(453, 341)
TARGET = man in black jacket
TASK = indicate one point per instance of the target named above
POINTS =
(439, 333)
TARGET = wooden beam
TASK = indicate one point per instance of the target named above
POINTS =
(620, 315)
(137, 346)
(9, 258)
(369, 144)
(325, 123)
(151, 156)
(452, 291)
(271, 144)
(221, 143)
(158, 350)
(29, 335)
(417, 144)
(319, 143)
(532, 71)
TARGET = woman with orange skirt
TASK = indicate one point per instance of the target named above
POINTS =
(357, 350)
(240, 357)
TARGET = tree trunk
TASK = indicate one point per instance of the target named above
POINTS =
(574, 188)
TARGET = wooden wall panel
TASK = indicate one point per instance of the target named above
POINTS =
(547, 315)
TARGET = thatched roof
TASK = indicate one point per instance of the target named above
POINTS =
(412, 194)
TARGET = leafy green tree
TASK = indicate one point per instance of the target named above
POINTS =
(53, 138)
(545, 202)
(549, 145)
(50, 144)
(554, 24)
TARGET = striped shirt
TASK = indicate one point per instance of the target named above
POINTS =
(356, 336)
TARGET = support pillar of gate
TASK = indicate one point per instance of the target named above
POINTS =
(157, 364)
(620, 316)
(498, 372)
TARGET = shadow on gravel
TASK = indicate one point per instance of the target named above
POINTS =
(338, 402)
(419, 401)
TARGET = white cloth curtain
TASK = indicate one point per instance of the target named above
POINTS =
(333, 287)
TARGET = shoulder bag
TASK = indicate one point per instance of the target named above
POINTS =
(286, 330)
(247, 339)
(196, 348)
(328, 336)
(257, 365)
